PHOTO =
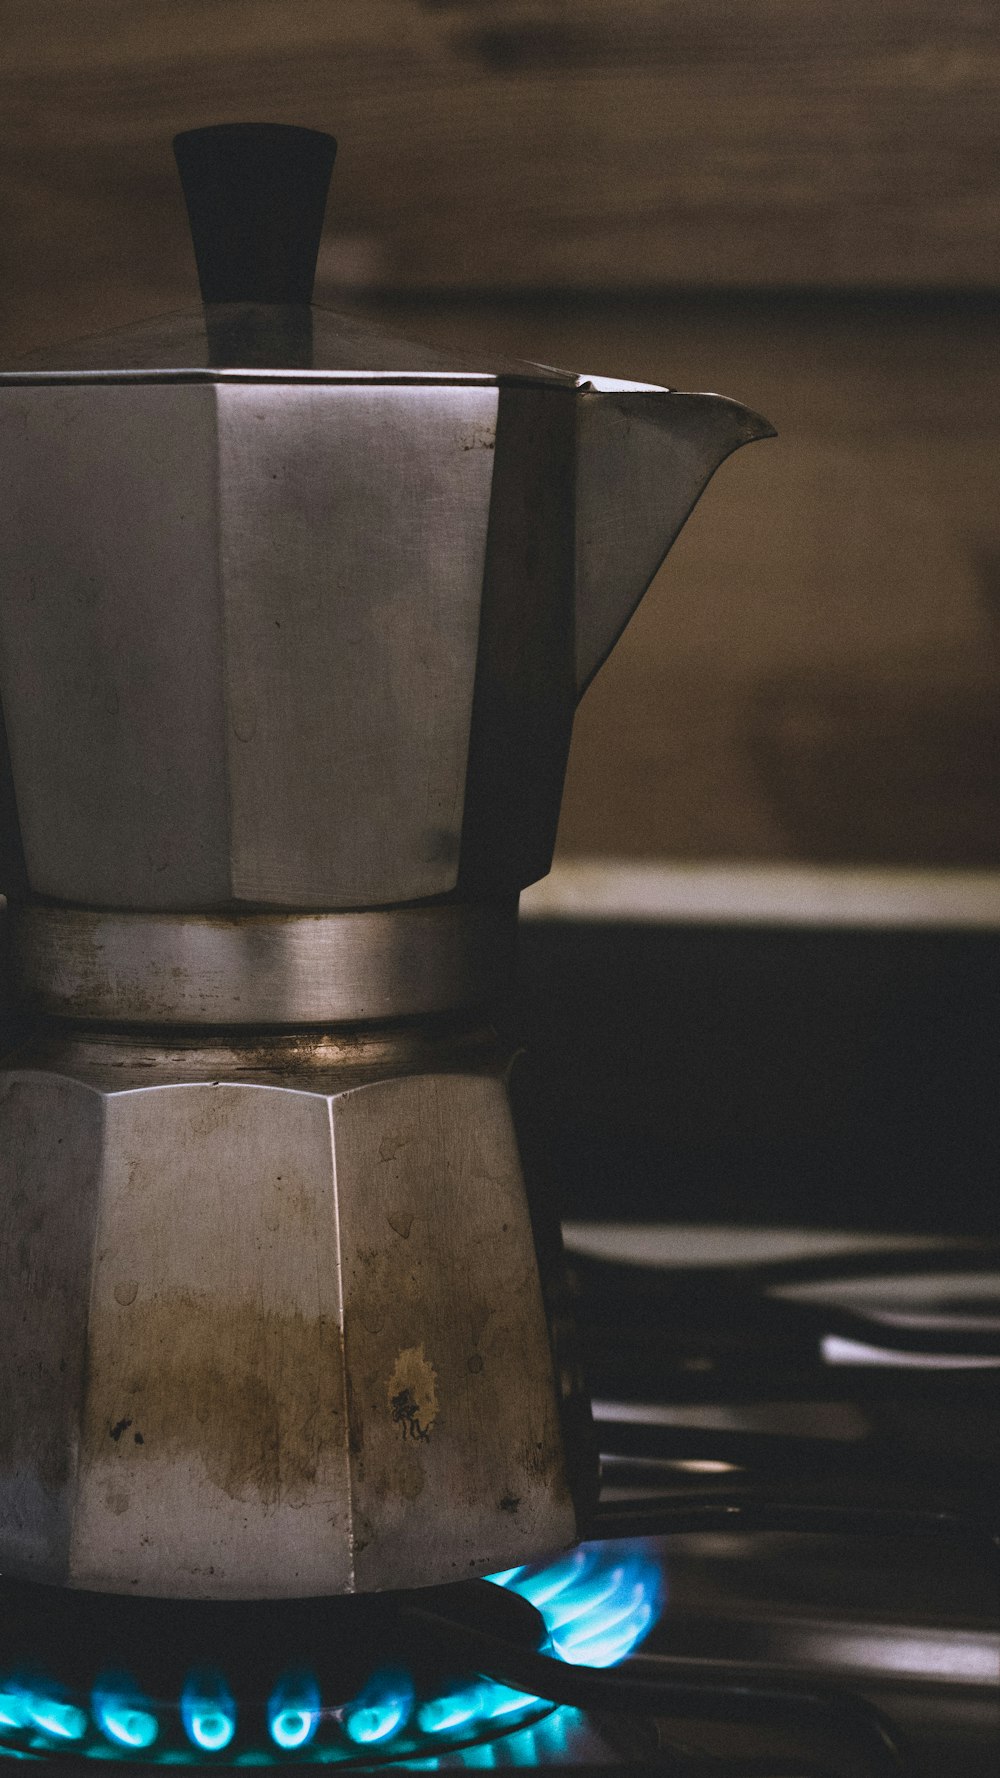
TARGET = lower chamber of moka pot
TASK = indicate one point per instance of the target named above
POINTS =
(325, 1681)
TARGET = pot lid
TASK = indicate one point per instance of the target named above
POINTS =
(256, 195)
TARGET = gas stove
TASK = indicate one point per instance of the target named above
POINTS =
(791, 1569)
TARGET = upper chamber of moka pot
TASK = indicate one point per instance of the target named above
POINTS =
(294, 617)
(295, 613)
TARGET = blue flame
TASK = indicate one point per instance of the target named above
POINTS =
(598, 1602)
(500, 1700)
(123, 1715)
(55, 1716)
(481, 1754)
(384, 1706)
(452, 1711)
(208, 1711)
(477, 1705)
(293, 1728)
(45, 1707)
(547, 1742)
(293, 1710)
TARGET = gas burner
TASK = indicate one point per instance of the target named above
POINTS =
(329, 1681)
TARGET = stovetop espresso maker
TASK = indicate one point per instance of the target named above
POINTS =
(294, 617)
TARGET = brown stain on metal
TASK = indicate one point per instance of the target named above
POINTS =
(84, 949)
(412, 1394)
(324, 1062)
(459, 1298)
(252, 1396)
(390, 1145)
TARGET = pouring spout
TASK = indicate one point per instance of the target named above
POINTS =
(644, 455)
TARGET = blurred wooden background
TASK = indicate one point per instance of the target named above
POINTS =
(794, 201)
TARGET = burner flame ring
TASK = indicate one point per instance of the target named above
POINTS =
(347, 1704)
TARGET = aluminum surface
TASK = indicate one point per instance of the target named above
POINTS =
(353, 537)
(111, 641)
(261, 969)
(643, 460)
(238, 637)
(262, 1340)
(318, 645)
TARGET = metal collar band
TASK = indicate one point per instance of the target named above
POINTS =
(261, 969)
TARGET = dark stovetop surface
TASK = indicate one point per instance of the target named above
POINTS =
(828, 1402)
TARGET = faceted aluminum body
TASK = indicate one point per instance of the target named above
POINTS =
(268, 1339)
(318, 643)
(289, 645)
(243, 605)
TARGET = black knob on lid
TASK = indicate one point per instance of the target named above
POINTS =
(255, 195)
